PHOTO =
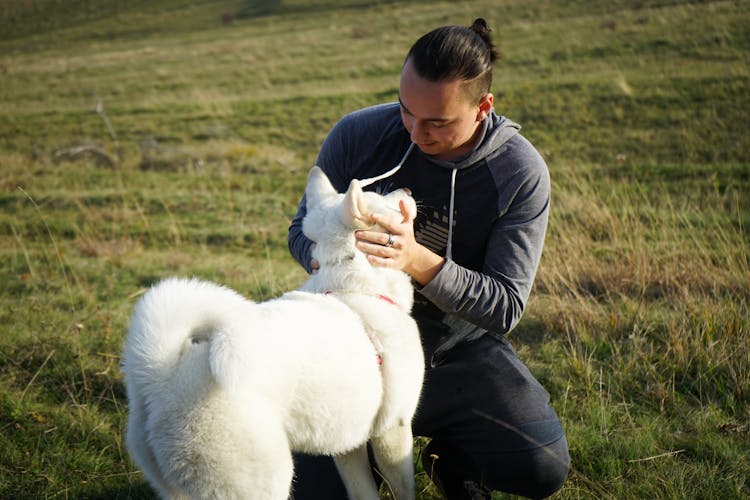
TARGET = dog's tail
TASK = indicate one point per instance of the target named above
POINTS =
(175, 321)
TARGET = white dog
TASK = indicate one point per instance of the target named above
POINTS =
(222, 390)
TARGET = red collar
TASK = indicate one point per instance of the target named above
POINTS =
(379, 295)
(387, 299)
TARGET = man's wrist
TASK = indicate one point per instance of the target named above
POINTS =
(425, 265)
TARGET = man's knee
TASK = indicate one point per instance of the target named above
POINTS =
(548, 469)
(533, 473)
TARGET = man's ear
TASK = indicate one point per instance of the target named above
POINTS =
(485, 106)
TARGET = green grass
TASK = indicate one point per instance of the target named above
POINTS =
(639, 321)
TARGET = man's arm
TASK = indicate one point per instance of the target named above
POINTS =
(300, 246)
(495, 297)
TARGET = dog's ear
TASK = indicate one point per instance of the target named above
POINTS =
(318, 187)
(353, 210)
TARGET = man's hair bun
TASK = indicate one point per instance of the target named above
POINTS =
(481, 28)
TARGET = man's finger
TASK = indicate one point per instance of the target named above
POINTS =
(405, 212)
(385, 222)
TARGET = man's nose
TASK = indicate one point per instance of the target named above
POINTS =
(418, 132)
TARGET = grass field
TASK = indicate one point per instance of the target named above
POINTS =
(140, 140)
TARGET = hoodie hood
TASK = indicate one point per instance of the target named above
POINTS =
(496, 131)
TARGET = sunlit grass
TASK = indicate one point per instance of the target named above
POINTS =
(638, 324)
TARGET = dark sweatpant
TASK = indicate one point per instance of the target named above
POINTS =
(491, 425)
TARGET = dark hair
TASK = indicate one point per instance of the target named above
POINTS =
(457, 52)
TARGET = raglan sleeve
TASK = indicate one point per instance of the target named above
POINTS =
(495, 297)
(333, 159)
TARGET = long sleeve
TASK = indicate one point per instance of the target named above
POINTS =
(493, 296)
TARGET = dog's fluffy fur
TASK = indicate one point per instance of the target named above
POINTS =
(222, 390)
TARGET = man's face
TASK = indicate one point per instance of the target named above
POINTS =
(442, 120)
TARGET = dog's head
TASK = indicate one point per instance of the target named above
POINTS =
(329, 212)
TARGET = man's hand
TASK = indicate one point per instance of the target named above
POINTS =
(404, 253)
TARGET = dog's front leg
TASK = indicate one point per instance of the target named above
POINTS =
(356, 473)
(393, 451)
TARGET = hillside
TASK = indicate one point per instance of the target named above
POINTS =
(144, 139)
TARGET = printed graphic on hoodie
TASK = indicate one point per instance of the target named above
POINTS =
(432, 230)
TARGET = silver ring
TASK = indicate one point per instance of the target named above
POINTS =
(391, 240)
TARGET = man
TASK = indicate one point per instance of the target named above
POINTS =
(483, 192)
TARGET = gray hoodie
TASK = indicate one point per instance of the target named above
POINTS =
(486, 213)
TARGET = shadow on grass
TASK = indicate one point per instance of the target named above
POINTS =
(126, 492)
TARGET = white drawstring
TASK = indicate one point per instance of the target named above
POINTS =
(372, 180)
(449, 247)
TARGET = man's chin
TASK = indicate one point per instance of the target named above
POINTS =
(431, 149)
